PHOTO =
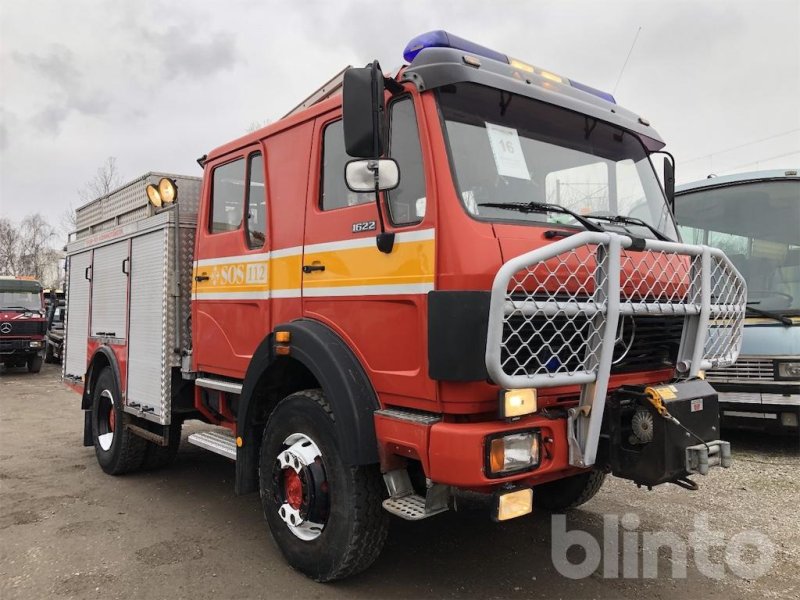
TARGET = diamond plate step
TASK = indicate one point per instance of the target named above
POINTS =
(410, 508)
(215, 441)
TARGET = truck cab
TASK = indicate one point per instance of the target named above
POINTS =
(22, 323)
(755, 218)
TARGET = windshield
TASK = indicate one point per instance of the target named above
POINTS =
(509, 149)
(757, 225)
(23, 300)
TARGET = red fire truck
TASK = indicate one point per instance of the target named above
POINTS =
(22, 323)
(465, 276)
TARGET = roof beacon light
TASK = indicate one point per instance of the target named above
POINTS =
(443, 39)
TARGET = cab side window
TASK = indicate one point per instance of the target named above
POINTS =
(407, 202)
(256, 202)
(333, 190)
(227, 197)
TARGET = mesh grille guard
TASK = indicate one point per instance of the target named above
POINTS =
(593, 281)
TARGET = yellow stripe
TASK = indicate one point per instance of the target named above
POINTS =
(410, 262)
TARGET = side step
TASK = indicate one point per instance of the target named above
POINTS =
(215, 441)
(406, 504)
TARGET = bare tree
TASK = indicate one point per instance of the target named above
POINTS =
(26, 249)
(105, 180)
(9, 247)
(256, 125)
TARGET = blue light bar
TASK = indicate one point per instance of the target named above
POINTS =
(587, 88)
(442, 39)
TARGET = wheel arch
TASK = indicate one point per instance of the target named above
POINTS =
(318, 357)
(102, 357)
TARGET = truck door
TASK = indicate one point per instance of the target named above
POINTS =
(230, 310)
(376, 301)
(78, 289)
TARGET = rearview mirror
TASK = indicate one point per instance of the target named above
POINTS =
(669, 181)
(360, 175)
(362, 111)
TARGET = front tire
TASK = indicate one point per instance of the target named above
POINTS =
(49, 358)
(118, 450)
(325, 515)
(570, 492)
(35, 363)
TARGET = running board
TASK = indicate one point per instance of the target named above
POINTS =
(215, 441)
(406, 504)
(221, 385)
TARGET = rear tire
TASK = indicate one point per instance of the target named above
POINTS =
(570, 492)
(158, 457)
(325, 516)
(35, 363)
(118, 450)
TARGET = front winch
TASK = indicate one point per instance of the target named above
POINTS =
(661, 434)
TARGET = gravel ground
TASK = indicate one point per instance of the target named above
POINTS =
(68, 530)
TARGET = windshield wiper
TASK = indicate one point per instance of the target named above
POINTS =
(25, 308)
(543, 207)
(768, 314)
(631, 221)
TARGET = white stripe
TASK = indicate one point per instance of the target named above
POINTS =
(416, 236)
(364, 242)
(367, 242)
(224, 260)
(368, 290)
(292, 293)
(293, 251)
(258, 295)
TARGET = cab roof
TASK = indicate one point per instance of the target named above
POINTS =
(748, 177)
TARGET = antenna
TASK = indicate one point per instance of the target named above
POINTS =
(627, 58)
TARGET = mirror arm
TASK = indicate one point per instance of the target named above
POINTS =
(393, 86)
(384, 240)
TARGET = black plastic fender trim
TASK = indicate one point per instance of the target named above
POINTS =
(340, 375)
(88, 386)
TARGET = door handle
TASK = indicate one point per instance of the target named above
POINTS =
(203, 277)
(126, 262)
(312, 268)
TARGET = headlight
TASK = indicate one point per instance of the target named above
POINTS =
(512, 453)
(789, 370)
(36, 344)
(515, 403)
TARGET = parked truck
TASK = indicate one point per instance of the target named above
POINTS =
(465, 276)
(22, 323)
(755, 218)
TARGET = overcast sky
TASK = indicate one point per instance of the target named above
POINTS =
(157, 84)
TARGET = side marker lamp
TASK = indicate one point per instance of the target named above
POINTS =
(516, 403)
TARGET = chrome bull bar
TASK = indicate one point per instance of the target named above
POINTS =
(555, 313)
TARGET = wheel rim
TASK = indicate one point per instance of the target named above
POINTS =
(106, 420)
(301, 487)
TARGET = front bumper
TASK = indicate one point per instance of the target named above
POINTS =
(21, 346)
(454, 453)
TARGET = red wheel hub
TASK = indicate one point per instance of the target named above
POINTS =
(293, 488)
(112, 419)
